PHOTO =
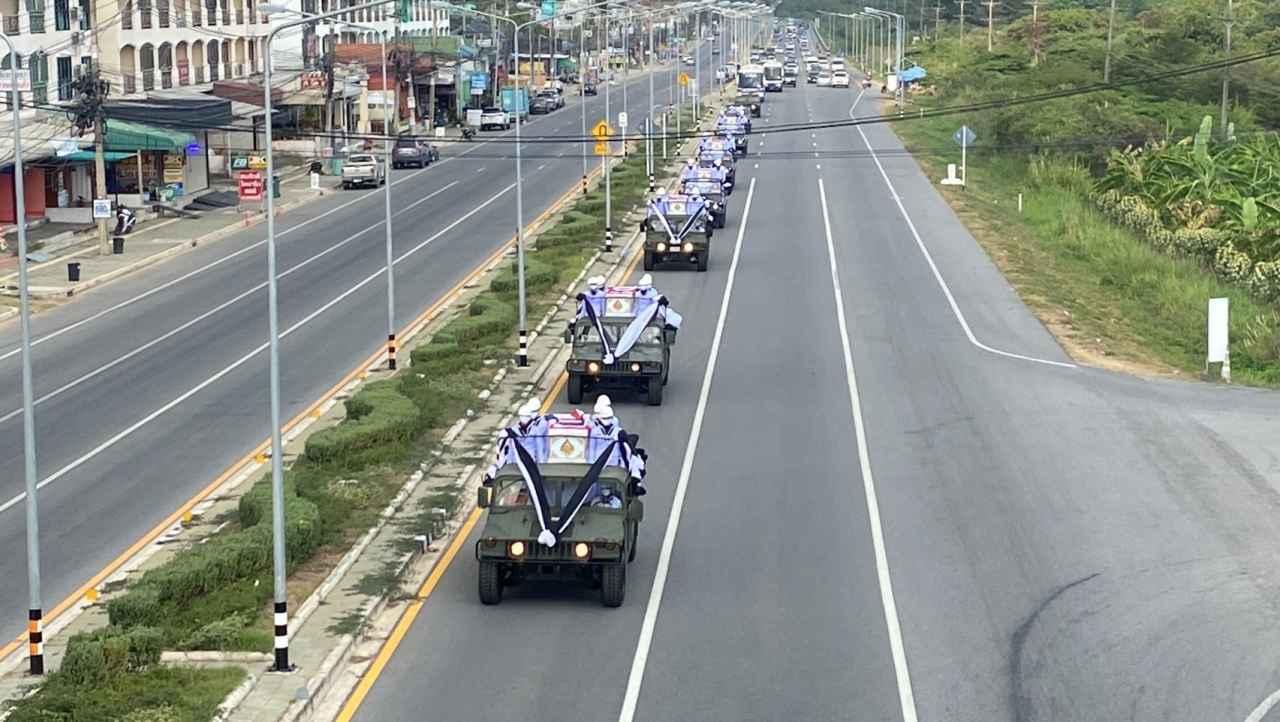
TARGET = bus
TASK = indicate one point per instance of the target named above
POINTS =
(773, 77)
(751, 79)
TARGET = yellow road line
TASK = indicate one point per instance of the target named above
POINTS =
(120, 560)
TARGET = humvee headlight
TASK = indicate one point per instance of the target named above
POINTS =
(516, 549)
(593, 368)
(581, 550)
(635, 368)
(662, 247)
(688, 247)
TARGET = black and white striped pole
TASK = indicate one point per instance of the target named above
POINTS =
(606, 158)
(35, 613)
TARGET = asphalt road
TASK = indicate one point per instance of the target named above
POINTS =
(943, 519)
(149, 387)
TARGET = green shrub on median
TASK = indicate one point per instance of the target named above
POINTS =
(379, 421)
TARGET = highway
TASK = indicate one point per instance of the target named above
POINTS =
(149, 387)
(879, 490)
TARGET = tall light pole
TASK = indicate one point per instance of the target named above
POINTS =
(1226, 71)
(35, 605)
(582, 83)
(1106, 63)
(899, 91)
(281, 592)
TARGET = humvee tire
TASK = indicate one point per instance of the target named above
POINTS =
(573, 389)
(635, 538)
(654, 391)
(613, 584)
(490, 583)
(702, 261)
(648, 260)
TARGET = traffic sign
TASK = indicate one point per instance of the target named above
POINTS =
(964, 136)
(602, 148)
(684, 78)
(600, 130)
(101, 208)
(622, 120)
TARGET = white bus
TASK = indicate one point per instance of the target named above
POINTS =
(773, 77)
(751, 79)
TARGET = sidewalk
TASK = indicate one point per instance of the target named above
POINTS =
(152, 242)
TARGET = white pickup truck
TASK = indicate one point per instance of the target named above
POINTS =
(363, 169)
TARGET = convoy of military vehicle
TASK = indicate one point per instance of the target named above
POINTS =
(563, 496)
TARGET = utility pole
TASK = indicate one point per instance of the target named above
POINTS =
(991, 23)
(937, 21)
(923, 33)
(962, 19)
(91, 113)
(431, 91)
(1035, 32)
(1226, 71)
(1106, 64)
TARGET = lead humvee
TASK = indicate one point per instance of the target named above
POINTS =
(646, 365)
(594, 548)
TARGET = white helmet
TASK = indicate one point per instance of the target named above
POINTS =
(646, 282)
(662, 192)
(529, 410)
(604, 408)
(689, 163)
(595, 282)
(718, 164)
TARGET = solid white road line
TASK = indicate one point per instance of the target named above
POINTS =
(256, 244)
(905, 696)
(928, 257)
(224, 305)
(632, 696)
(1262, 709)
(380, 273)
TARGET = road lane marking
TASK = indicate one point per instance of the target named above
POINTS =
(632, 696)
(905, 696)
(937, 275)
(242, 360)
(256, 244)
(220, 307)
(1260, 712)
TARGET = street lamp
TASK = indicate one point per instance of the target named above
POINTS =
(35, 610)
(901, 20)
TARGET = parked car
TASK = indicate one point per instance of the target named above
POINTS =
(589, 89)
(541, 105)
(363, 169)
(554, 96)
(495, 117)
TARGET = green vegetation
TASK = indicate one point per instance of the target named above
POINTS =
(1137, 209)
(214, 595)
(115, 674)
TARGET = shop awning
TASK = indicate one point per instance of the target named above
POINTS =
(111, 156)
(128, 135)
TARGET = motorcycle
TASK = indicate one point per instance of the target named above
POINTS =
(467, 132)
(125, 220)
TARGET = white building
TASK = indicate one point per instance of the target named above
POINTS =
(300, 48)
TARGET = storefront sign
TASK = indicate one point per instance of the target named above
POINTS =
(249, 162)
(250, 184)
(173, 168)
(313, 80)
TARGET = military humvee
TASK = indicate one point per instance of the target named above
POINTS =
(752, 103)
(645, 366)
(686, 234)
(596, 546)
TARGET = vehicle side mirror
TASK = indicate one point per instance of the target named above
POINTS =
(635, 511)
(568, 333)
(669, 336)
(632, 440)
(484, 496)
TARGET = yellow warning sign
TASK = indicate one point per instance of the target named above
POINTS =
(601, 130)
(602, 148)
(684, 78)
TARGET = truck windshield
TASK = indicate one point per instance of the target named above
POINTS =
(514, 493)
(773, 72)
(750, 81)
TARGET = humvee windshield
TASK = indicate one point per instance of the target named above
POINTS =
(514, 494)
(586, 332)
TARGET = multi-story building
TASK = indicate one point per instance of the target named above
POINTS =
(301, 49)
(140, 45)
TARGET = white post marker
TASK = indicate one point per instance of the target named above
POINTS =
(315, 181)
(964, 136)
(1219, 343)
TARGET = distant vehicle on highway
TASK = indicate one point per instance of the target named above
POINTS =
(363, 169)
(413, 152)
(824, 78)
(688, 60)
(589, 89)
(541, 106)
(840, 79)
(554, 97)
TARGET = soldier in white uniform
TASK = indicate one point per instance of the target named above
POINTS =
(531, 432)
(604, 427)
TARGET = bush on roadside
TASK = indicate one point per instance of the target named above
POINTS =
(378, 416)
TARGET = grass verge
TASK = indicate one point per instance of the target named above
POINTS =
(215, 595)
(1111, 298)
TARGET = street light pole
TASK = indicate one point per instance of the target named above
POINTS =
(35, 606)
(582, 82)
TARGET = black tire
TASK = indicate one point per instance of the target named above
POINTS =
(613, 584)
(490, 583)
(653, 395)
(635, 537)
(573, 389)
(702, 261)
(648, 260)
